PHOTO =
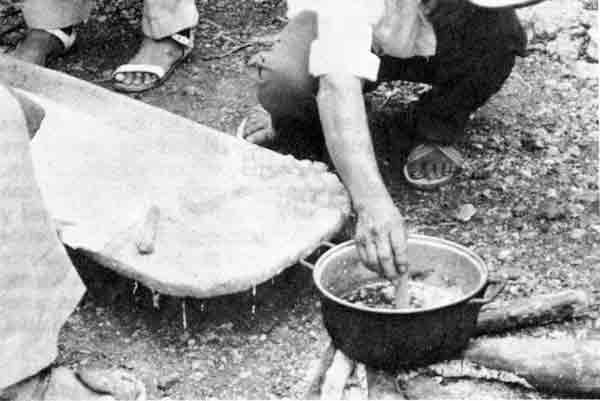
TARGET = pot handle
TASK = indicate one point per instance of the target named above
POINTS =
(311, 266)
(495, 285)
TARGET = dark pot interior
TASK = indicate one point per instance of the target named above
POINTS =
(432, 261)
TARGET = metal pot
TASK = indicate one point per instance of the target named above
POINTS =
(391, 339)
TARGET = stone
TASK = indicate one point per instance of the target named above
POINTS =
(191, 90)
(504, 254)
(551, 210)
(577, 234)
(465, 212)
(565, 47)
(168, 381)
(585, 70)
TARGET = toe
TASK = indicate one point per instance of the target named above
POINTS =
(128, 78)
(120, 77)
(256, 137)
(430, 170)
(438, 170)
(148, 79)
(447, 168)
(416, 171)
(138, 78)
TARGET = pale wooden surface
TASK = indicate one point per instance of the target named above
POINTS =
(232, 214)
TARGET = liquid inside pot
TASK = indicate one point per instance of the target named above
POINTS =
(380, 295)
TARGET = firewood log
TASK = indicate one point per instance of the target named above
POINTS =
(558, 366)
(357, 385)
(336, 376)
(563, 366)
(317, 372)
(535, 311)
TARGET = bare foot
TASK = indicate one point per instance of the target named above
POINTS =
(161, 53)
(258, 129)
(37, 46)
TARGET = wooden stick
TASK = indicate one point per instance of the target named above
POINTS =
(534, 311)
(357, 386)
(228, 53)
(401, 297)
(317, 372)
(147, 234)
(336, 376)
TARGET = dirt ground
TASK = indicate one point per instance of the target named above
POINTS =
(531, 179)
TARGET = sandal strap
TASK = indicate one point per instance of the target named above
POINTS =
(453, 154)
(449, 151)
(185, 38)
(66, 39)
(147, 68)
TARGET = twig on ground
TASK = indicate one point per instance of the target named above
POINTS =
(228, 53)
(213, 23)
(226, 37)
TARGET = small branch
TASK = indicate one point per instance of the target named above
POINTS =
(213, 23)
(228, 53)
(226, 37)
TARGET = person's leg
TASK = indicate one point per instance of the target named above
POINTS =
(475, 54)
(41, 15)
(161, 20)
(286, 90)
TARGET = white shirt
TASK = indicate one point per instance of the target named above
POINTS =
(350, 30)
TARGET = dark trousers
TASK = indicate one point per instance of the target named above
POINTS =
(475, 54)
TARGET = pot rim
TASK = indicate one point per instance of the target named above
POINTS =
(321, 264)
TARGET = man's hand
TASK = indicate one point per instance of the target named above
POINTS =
(381, 239)
(380, 231)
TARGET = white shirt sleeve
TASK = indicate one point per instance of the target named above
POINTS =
(344, 39)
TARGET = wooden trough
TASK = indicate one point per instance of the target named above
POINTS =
(184, 209)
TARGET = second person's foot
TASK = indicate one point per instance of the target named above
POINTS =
(38, 45)
(153, 63)
(257, 127)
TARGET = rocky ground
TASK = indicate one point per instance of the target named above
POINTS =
(527, 200)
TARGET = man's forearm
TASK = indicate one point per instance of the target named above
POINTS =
(344, 121)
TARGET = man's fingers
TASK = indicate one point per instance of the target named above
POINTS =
(259, 137)
(372, 261)
(385, 256)
(398, 239)
(368, 254)
(362, 251)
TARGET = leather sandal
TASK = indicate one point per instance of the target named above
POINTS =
(420, 152)
(185, 38)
